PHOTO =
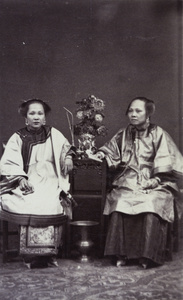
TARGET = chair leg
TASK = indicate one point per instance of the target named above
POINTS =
(64, 252)
(67, 239)
(64, 241)
(5, 239)
(176, 233)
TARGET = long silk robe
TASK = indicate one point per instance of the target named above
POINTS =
(138, 223)
(137, 156)
(38, 156)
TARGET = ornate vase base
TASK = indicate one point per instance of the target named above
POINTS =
(84, 259)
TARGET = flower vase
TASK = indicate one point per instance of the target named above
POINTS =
(85, 243)
(86, 144)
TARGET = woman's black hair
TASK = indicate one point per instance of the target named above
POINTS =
(149, 105)
(23, 108)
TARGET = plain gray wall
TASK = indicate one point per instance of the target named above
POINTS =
(62, 51)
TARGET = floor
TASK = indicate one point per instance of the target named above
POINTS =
(97, 280)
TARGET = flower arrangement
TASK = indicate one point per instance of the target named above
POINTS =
(90, 114)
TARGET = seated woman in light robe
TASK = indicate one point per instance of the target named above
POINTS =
(144, 166)
(34, 171)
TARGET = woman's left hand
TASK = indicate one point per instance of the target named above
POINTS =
(150, 184)
(68, 165)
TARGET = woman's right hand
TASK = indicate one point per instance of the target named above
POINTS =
(25, 186)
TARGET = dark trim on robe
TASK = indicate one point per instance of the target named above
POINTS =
(33, 220)
(31, 138)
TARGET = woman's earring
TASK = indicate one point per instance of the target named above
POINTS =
(148, 120)
(26, 122)
(44, 122)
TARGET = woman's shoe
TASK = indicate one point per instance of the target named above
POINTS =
(121, 261)
(52, 262)
(28, 265)
(144, 262)
(144, 266)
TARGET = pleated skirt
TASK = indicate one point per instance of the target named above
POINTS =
(137, 236)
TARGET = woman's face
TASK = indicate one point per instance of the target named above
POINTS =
(35, 116)
(137, 113)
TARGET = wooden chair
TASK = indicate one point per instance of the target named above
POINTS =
(6, 233)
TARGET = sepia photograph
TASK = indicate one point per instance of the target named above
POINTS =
(91, 150)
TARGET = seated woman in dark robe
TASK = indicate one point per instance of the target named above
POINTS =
(146, 165)
(34, 172)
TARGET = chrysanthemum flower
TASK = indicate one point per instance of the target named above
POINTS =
(101, 130)
(79, 114)
(98, 118)
(98, 104)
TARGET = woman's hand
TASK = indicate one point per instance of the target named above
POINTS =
(68, 165)
(150, 184)
(25, 186)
